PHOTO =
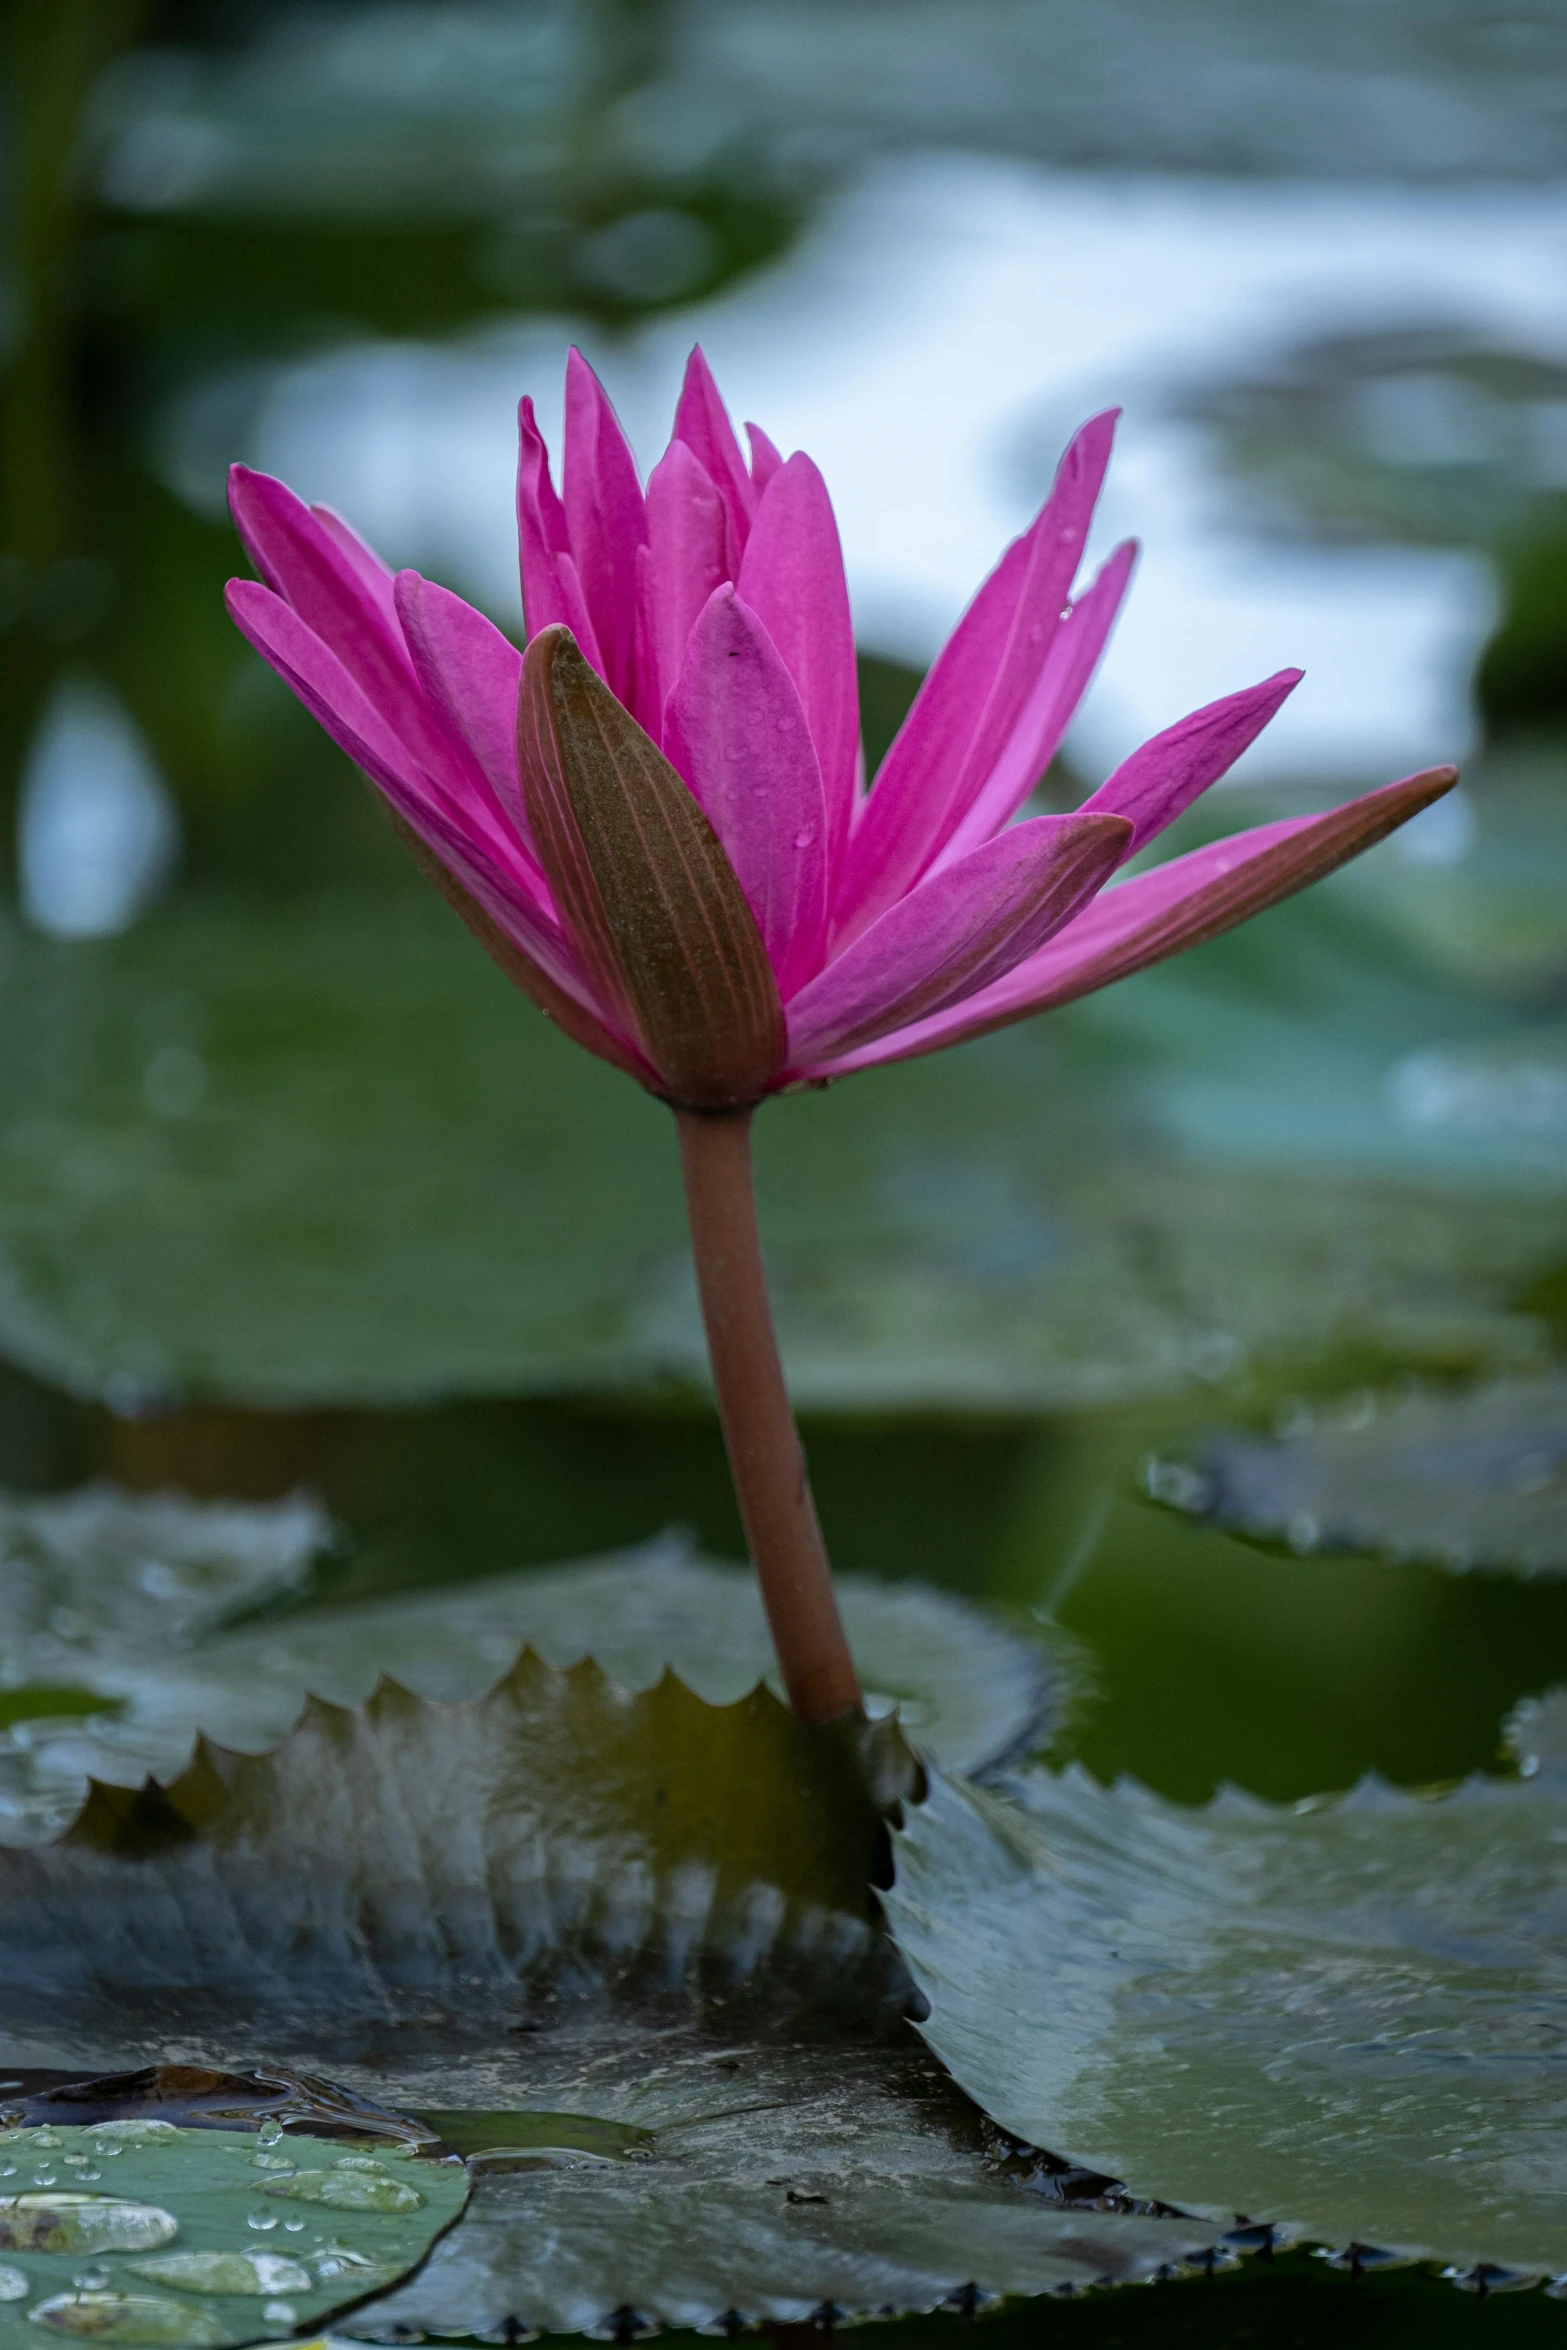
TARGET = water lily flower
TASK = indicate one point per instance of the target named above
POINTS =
(656, 817)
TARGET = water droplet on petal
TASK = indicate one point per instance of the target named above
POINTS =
(260, 2219)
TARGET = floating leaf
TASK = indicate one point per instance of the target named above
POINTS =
(967, 1690)
(157, 2233)
(742, 2175)
(406, 1852)
(100, 1571)
(397, 1182)
(1338, 2018)
(1471, 1480)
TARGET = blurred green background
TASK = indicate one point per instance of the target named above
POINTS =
(292, 1191)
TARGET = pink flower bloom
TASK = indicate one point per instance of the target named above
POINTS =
(682, 863)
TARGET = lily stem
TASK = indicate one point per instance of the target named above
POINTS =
(765, 1455)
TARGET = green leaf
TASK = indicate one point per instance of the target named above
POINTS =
(143, 2231)
(689, 2173)
(623, 1950)
(323, 1153)
(110, 1587)
(1463, 1481)
(470, 1855)
(1338, 2018)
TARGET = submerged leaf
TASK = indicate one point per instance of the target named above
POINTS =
(1341, 2019)
(968, 1691)
(1462, 1481)
(155, 2233)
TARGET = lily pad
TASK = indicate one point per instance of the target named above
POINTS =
(407, 1857)
(103, 1572)
(141, 2231)
(1477, 1479)
(383, 1179)
(968, 1690)
(743, 2176)
(622, 1946)
(1344, 2018)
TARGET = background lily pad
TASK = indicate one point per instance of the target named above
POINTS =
(318, 1151)
(140, 2231)
(1474, 1479)
(95, 1605)
(1344, 2018)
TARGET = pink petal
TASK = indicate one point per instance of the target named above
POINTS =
(968, 706)
(374, 576)
(337, 702)
(471, 672)
(765, 459)
(1050, 708)
(736, 731)
(957, 933)
(307, 566)
(1162, 778)
(531, 946)
(605, 517)
(551, 587)
(679, 569)
(702, 424)
(792, 577)
(1161, 913)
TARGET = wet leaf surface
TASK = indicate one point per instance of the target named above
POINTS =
(720, 2171)
(1345, 2018)
(385, 1180)
(967, 1690)
(137, 2230)
(407, 1862)
(1476, 1479)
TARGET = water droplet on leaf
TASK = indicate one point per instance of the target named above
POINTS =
(132, 2318)
(354, 2190)
(68, 2222)
(225, 2272)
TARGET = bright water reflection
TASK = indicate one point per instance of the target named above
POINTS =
(933, 341)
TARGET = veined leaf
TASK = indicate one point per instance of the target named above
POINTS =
(1338, 2018)
(407, 1850)
(123, 1572)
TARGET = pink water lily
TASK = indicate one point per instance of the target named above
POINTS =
(858, 925)
(656, 820)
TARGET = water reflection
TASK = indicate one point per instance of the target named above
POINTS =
(936, 336)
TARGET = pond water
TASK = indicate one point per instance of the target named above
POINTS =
(1220, 1318)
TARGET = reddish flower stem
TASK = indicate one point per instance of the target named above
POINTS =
(765, 1456)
